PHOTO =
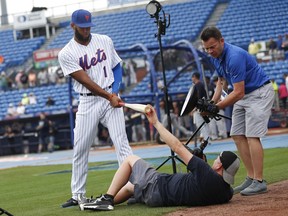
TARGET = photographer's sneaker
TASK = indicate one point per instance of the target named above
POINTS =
(102, 203)
(247, 182)
(255, 188)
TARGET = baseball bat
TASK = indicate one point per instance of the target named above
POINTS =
(137, 107)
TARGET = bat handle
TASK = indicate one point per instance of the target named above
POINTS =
(121, 104)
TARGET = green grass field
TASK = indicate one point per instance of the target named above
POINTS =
(31, 191)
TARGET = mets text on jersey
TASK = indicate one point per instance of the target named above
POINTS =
(99, 57)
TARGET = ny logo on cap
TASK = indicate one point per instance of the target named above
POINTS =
(87, 17)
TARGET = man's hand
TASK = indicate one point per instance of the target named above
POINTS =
(205, 106)
(114, 100)
(151, 114)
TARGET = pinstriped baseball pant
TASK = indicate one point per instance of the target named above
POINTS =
(91, 111)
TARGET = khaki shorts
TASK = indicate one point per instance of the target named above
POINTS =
(251, 114)
(146, 190)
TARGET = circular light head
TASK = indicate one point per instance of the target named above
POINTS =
(153, 8)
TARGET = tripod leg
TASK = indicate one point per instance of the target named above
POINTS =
(170, 157)
(195, 132)
(173, 161)
(179, 159)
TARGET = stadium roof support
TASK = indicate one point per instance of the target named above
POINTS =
(181, 45)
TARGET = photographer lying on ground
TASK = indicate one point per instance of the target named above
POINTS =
(203, 185)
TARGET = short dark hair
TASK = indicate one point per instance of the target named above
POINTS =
(210, 32)
(196, 74)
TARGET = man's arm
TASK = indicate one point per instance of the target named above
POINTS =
(167, 137)
(82, 77)
(217, 94)
(237, 94)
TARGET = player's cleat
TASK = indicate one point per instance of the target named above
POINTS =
(102, 203)
(255, 188)
(247, 182)
(82, 199)
(70, 203)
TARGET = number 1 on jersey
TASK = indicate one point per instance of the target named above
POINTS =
(105, 72)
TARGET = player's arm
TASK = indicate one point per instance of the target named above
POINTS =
(167, 137)
(82, 77)
(118, 72)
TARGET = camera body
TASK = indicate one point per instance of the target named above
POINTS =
(198, 152)
(207, 106)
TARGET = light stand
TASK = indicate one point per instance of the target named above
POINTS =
(153, 8)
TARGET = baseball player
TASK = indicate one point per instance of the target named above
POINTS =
(92, 62)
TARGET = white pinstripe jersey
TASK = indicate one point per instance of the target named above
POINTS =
(97, 59)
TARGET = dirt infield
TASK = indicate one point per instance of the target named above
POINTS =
(272, 203)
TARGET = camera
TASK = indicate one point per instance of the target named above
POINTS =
(207, 106)
(198, 152)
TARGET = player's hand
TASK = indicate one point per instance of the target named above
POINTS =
(151, 114)
(114, 101)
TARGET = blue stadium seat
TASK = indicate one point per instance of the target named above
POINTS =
(193, 17)
(262, 20)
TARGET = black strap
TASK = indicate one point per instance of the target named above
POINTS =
(91, 94)
(86, 94)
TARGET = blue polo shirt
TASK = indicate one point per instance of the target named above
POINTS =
(236, 65)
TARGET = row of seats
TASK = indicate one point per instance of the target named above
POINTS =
(15, 53)
(258, 19)
(128, 28)
(59, 93)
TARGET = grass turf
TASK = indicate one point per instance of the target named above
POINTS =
(37, 191)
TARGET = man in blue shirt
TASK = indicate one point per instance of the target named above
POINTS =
(252, 97)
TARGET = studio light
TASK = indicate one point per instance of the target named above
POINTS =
(153, 8)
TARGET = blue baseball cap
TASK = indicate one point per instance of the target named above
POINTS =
(82, 18)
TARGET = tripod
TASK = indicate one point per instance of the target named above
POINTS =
(206, 121)
(2, 211)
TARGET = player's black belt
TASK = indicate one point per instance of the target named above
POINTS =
(91, 94)
(265, 83)
(86, 94)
